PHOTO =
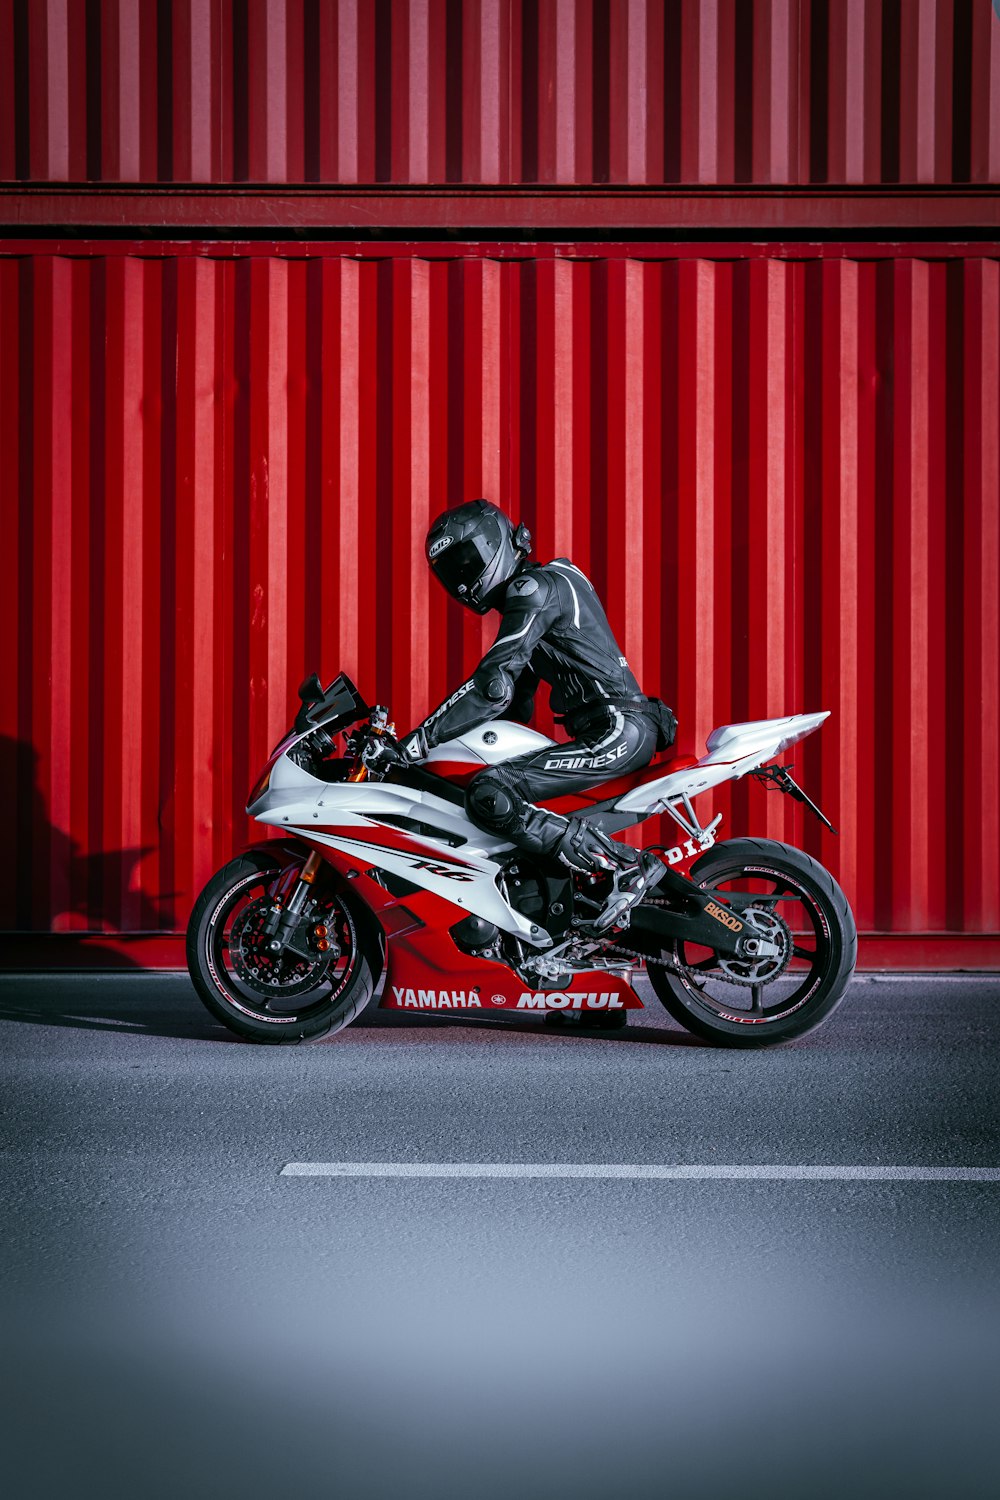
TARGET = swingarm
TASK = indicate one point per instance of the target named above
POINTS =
(698, 917)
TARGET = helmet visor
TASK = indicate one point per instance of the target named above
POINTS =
(463, 564)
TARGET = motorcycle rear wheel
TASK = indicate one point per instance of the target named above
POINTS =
(816, 972)
(297, 1011)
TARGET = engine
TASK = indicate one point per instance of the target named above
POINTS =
(546, 900)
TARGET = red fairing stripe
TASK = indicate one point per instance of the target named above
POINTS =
(606, 791)
(455, 770)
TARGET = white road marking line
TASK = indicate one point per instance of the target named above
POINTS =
(929, 976)
(638, 1171)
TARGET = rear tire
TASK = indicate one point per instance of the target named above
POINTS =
(829, 953)
(305, 1013)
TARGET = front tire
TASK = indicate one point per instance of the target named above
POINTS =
(303, 1001)
(815, 970)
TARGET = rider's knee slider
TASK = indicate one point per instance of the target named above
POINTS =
(490, 805)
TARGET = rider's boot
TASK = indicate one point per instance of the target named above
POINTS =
(576, 842)
(629, 889)
(586, 848)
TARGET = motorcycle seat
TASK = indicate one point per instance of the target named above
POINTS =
(610, 791)
(457, 761)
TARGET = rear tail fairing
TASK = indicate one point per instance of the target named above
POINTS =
(733, 750)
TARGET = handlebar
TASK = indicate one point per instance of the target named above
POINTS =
(373, 745)
(318, 739)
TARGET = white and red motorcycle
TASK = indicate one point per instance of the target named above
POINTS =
(379, 872)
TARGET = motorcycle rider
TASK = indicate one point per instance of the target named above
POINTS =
(553, 628)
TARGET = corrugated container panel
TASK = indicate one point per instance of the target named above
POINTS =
(219, 469)
(500, 91)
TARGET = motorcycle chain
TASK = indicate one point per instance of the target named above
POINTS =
(674, 965)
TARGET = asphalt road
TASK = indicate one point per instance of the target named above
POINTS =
(181, 1319)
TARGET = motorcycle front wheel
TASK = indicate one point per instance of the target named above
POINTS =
(801, 912)
(291, 998)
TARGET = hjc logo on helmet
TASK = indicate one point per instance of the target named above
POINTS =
(439, 546)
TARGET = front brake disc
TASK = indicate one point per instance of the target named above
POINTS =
(274, 975)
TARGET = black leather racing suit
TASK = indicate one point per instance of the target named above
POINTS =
(554, 630)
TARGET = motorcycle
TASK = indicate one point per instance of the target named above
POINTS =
(379, 873)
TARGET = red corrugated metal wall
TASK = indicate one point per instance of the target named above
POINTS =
(500, 91)
(219, 464)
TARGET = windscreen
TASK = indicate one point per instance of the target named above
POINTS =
(340, 706)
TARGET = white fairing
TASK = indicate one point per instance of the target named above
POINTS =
(447, 854)
(489, 744)
(732, 751)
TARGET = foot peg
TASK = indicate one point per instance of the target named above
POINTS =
(630, 886)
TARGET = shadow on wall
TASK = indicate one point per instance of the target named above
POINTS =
(48, 886)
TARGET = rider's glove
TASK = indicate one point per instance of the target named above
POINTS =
(383, 752)
(414, 746)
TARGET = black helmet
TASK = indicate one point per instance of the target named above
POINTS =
(475, 550)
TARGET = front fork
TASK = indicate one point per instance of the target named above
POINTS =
(283, 918)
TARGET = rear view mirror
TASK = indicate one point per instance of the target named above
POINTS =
(311, 690)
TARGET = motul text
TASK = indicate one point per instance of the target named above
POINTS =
(570, 1000)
